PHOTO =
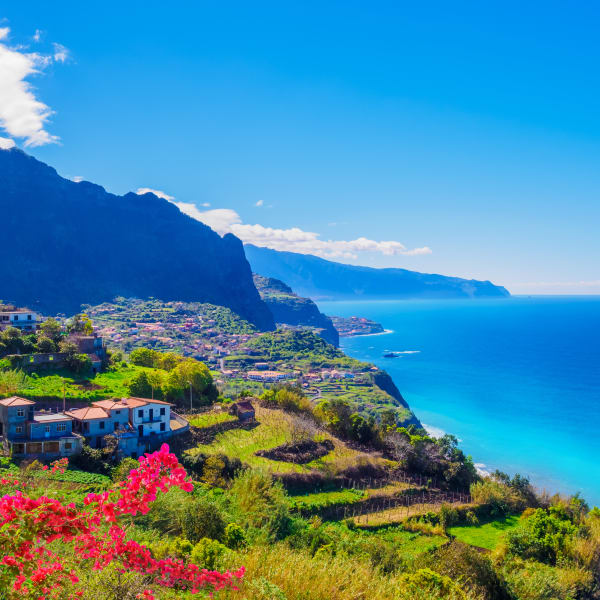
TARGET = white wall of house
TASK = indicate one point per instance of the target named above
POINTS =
(152, 418)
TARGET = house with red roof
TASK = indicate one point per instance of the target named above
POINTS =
(139, 424)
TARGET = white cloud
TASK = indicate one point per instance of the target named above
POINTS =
(37, 36)
(60, 53)
(206, 204)
(77, 178)
(225, 220)
(260, 203)
(6, 143)
(22, 115)
(164, 195)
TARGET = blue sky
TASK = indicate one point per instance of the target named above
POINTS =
(459, 138)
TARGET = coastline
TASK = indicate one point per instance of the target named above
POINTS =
(363, 335)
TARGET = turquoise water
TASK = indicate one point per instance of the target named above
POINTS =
(516, 380)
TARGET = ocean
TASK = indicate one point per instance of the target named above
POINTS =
(517, 380)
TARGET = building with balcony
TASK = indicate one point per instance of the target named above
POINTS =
(138, 424)
(21, 318)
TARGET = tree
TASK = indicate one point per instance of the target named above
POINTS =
(78, 363)
(11, 340)
(388, 420)
(139, 385)
(45, 345)
(190, 371)
(167, 360)
(143, 357)
(80, 323)
(51, 329)
(155, 381)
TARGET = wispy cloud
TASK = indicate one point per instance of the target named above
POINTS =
(22, 115)
(60, 53)
(259, 203)
(77, 178)
(159, 193)
(225, 220)
(206, 204)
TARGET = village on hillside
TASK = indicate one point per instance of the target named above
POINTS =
(37, 345)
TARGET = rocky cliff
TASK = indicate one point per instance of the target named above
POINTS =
(290, 309)
(67, 243)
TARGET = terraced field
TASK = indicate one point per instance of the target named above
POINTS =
(273, 429)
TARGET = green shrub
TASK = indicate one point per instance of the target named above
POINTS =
(122, 470)
(208, 554)
(448, 516)
(263, 589)
(181, 547)
(201, 519)
(426, 580)
(261, 503)
(234, 537)
(544, 536)
(474, 570)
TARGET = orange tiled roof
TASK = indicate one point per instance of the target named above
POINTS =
(16, 401)
(88, 413)
(135, 402)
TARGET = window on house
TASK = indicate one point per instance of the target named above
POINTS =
(61, 427)
(47, 428)
(101, 424)
(18, 429)
(68, 445)
(140, 413)
(20, 412)
(163, 426)
(117, 412)
(163, 412)
(29, 317)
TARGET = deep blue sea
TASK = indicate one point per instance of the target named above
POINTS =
(517, 380)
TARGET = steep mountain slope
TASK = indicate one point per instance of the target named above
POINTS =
(291, 309)
(323, 279)
(67, 243)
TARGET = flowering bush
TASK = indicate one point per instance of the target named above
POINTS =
(31, 530)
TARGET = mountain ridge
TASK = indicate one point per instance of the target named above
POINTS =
(322, 279)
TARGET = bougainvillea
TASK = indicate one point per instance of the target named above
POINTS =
(31, 567)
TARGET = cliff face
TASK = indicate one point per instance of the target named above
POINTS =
(67, 243)
(290, 309)
(318, 278)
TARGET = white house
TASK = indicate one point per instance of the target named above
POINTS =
(21, 318)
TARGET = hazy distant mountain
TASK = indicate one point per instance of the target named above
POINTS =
(291, 309)
(67, 243)
(324, 279)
